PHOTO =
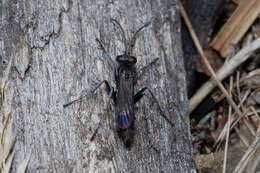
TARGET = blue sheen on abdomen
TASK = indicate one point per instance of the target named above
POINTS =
(123, 121)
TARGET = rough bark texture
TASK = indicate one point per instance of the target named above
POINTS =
(51, 45)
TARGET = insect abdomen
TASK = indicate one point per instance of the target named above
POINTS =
(123, 121)
(127, 135)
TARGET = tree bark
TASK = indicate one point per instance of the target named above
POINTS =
(55, 58)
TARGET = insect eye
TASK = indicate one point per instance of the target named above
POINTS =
(120, 58)
(126, 59)
(132, 59)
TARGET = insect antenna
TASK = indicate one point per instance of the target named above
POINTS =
(132, 42)
(115, 22)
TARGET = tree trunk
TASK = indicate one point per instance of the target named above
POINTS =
(54, 58)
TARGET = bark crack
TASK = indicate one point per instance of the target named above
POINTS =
(53, 35)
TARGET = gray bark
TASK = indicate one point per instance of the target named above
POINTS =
(55, 58)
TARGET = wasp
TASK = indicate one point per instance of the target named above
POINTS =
(123, 96)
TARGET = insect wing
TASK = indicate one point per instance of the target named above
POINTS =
(125, 104)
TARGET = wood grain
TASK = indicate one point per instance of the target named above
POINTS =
(56, 57)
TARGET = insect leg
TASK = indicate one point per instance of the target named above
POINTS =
(107, 56)
(110, 96)
(141, 93)
(108, 88)
(138, 73)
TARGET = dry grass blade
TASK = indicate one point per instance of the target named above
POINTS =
(249, 126)
(253, 73)
(252, 113)
(238, 90)
(249, 154)
(252, 165)
(228, 128)
(255, 112)
(239, 118)
(224, 131)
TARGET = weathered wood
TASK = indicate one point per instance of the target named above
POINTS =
(236, 26)
(55, 59)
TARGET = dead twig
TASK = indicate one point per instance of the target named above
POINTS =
(224, 72)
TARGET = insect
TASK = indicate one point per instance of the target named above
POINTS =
(125, 76)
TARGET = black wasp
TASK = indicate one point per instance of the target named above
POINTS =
(125, 76)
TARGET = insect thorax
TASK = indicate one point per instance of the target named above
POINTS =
(126, 72)
(126, 68)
